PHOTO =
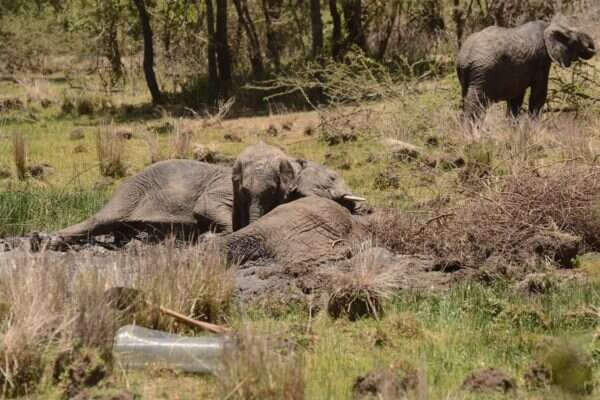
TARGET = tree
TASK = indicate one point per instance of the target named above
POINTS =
(148, 52)
(222, 48)
(108, 13)
(272, 12)
(212, 55)
(256, 60)
(317, 27)
(352, 10)
(336, 34)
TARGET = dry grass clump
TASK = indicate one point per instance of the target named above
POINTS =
(534, 213)
(254, 369)
(110, 150)
(181, 140)
(194, 281)
(152, 140)
(55, 316)
(359, 289)
(20, 155)
(49, 312)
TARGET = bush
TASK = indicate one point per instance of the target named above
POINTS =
(521, 217)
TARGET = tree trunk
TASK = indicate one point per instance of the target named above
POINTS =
(389, 29)
(212, 55)
(336, 35)
(148, 52)
(352, 10)
(317, 28)
(272, 11)
(258, 69)
(222, 49)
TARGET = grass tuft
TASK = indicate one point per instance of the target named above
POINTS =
(110, 151)
(20, 156)
(255, 370)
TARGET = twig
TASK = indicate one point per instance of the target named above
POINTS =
(429, 221)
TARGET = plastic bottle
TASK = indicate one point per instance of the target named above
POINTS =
(138, 347)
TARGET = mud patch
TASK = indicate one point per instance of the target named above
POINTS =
(489, 380)
(388, 383)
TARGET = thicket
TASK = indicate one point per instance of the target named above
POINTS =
(198, 52)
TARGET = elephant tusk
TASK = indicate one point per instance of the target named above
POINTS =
(353, 198)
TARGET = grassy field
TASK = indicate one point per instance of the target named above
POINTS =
(431, 339)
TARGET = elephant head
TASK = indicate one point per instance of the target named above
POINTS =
(317, 180)
(265, 177)
(566, 45)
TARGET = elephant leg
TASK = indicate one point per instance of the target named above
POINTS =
(475, 103)
(514, 105)
(83, 232)
(213, 212)
(539, 92)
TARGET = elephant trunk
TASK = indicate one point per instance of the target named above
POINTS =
(256, 211)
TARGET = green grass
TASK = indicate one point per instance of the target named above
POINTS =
(24, 211)
(445, 336)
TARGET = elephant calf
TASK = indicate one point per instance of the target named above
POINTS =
(174, 196)
(500, 64)
(265, 177)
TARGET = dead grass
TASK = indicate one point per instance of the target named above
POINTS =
(360, 289)
(50, 307)
(152, 140)
(194, 281)
(181, 140)
(257, 370)
(20, 156)
(110, 151)
(46, 315)
(534, 212)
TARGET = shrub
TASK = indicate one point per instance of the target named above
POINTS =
(529, 214)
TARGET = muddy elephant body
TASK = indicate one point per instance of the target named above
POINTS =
(306, 232)
(500, 64)
(184, 197)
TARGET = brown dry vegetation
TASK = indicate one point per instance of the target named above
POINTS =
(50, 307)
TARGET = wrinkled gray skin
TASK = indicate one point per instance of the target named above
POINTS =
(265, 177)
(184, 197)
(500, 64)
(306, 232)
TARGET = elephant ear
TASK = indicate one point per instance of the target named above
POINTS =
(559, 44)
(287, 178)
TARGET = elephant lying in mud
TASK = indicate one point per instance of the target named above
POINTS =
(265, 177)
(182, 197)
(176, 196)
(306, 232)
(500, 64)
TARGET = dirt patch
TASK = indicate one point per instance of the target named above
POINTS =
(78, 370)
(389, 383)
(489, 380)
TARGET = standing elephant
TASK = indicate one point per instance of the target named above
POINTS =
(174, 196)
(265, 177)
(500, 64)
